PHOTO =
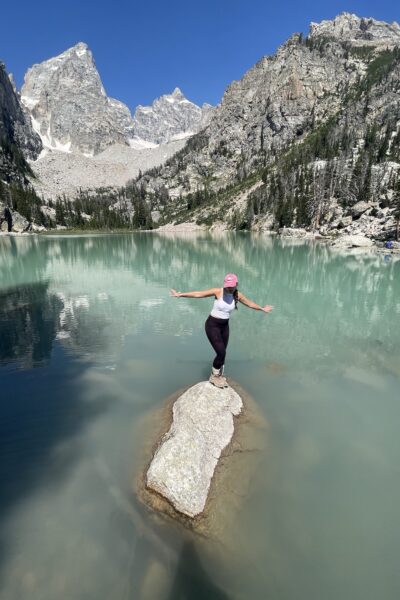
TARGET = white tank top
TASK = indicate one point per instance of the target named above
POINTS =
(224, 306)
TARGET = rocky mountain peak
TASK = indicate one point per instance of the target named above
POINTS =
(304, 87)
(81, 49)
(69, 106)
(71, 112)
(177, 94)
(171, 116)
(350, 27)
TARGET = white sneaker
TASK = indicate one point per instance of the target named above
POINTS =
(222, 369)
(217, 378)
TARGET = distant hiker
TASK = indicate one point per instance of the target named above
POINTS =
(6, 216)
(217, 324)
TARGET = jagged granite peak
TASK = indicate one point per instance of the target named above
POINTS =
(177, 94)
(170, 117)
(69, 106)
(350, 27)
(15, 127)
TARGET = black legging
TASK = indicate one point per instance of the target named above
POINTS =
(217, 331)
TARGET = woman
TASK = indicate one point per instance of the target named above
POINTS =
(217, 324)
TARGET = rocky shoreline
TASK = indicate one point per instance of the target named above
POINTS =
(341, 241)
(364, 225)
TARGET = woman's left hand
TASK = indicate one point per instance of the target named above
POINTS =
(267, 308)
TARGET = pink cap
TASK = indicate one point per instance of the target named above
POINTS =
(230, 280)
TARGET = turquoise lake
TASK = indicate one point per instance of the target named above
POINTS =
(91, 343)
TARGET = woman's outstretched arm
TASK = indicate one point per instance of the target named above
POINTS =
(267, 308)
(203, 294)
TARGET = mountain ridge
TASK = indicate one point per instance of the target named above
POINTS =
(281, 101)
(71, 111)
(309, 137)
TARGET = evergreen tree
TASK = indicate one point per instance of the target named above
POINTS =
(396, 199)
(60, 212)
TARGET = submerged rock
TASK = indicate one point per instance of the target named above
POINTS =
(184, 464)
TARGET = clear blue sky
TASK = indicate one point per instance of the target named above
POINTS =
(144, 49)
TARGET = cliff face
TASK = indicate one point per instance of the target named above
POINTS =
(17, 138)
(345, 175)
(69, 106)
(342, 79)
(72, 112)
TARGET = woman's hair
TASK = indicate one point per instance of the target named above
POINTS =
(236, 297)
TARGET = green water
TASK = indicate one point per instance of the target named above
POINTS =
(90, 342)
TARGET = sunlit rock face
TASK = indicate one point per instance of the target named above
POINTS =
(202, 427)
(69, 106)
(72, 112)
(170, 117)
(281, 99)
(347, 26)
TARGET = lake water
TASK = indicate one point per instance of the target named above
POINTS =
(91, 342)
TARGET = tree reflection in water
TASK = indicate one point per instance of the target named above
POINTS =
(28, 324)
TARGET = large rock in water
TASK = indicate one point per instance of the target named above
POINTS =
(202, 426)
(209, 414)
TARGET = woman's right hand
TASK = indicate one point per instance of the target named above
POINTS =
(174, 293)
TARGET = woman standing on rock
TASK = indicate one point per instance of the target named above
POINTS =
(217, 324)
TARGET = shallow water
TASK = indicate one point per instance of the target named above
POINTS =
(90, 342)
